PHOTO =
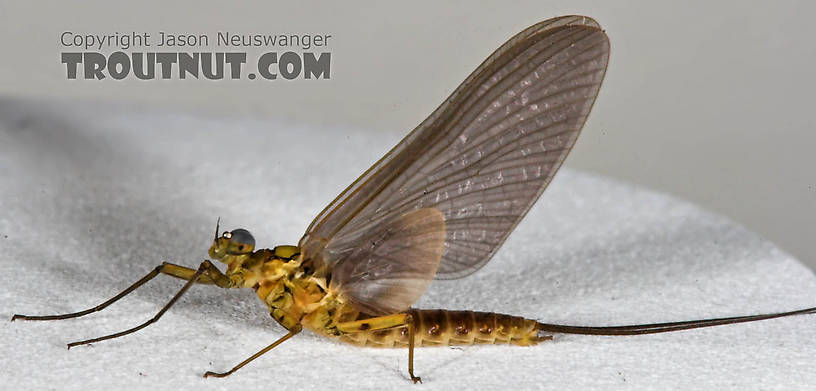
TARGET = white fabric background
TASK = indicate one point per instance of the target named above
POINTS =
(94, 197)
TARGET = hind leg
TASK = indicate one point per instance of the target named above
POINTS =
(384, 323)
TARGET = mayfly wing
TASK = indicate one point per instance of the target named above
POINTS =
(392, 265)
(481, 159)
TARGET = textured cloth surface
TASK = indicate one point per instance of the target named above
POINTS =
(94, 197)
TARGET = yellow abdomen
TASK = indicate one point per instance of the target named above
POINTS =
(444, 328)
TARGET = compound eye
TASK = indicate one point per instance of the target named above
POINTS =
(241, 236)
(227, 235)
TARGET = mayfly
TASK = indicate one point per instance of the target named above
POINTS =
(438, 205)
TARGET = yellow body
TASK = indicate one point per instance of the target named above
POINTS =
(297, 295)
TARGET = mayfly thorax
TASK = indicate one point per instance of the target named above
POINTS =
(438, 205)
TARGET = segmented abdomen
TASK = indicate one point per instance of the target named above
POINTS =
(442, 327)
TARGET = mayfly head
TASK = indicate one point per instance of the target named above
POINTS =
(236, 242)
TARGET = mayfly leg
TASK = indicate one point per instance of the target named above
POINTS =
(290, 334)
(206, 267)
(384, 323)
(379, 323)
(409, 320)
(206, 274)
(165, 268)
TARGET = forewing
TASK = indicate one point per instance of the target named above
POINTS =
(483, 157)
(387, 269)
